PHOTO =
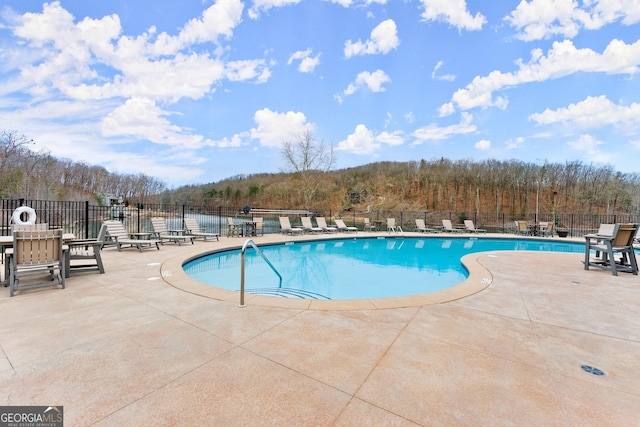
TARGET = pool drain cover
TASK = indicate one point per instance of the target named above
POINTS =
(592, 370)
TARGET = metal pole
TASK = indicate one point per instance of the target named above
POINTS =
(242, 305)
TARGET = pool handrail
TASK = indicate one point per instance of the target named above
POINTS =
(244, 249)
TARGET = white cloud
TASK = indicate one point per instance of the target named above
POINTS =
(483, 144)
(373, 81)
(260, 6)
(362, 141)
(435, 132)
(360, 3)
(589, 145)
(454, 12)
(512, 144)
(562, 59)
(141, 118)
(541, 19)
(308, 63)
(384, 38)
(391, 138)
(273, 128)
(446, 77)
(592, 112)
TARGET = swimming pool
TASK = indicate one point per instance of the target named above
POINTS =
(361, 268)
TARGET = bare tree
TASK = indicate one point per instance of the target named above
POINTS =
(307, 159)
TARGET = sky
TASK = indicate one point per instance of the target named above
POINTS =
(195, 91)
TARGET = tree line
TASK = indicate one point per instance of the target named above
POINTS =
(490, 187)
(29, 174)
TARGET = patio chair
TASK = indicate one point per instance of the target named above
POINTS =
(193, 229)
(522, 228)
(392, 227)
(233, 228)
(470, 226)
(606, 246)
(449, 228)
(546, 229)
(162, 233)
(343, 227)
(36, 252)
(87, 251)
(308, 226)
(421, 227)
(118, 235)
(367, 225)
(30, 227)
(286, 228)
(322, 223)
(258, 226)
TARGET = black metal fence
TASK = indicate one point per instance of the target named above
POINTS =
(84, 220)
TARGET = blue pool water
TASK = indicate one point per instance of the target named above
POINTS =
(355, 268)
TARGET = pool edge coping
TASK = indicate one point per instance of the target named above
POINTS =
(479, 279)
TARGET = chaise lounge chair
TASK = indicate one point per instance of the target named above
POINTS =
(193, 229)
(421, 227)
(286, 228)
(470, 226)
(449, 228)
(343, 227)
(117, 234)
(308, 226)
(161, 233)
(322, 223)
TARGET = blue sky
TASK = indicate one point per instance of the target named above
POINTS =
(194, 91)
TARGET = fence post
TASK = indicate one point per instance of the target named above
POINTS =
(86, 219)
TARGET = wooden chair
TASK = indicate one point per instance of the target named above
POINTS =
(36, 252)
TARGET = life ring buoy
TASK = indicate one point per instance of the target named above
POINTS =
(17, 215)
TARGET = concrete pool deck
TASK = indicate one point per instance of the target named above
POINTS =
(127, 348)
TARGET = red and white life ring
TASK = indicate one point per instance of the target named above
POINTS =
(17, 215)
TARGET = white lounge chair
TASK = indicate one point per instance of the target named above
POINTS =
(343, 227)
(161, 232)
(421, 227)
(322, 223)
(308, 226)
(286, 228)
(449, 228)
(116, 233)
(470, 226)
(193, 229)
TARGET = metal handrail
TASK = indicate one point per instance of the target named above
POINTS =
(244, 249)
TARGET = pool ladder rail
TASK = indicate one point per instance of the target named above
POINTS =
(251, 243)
